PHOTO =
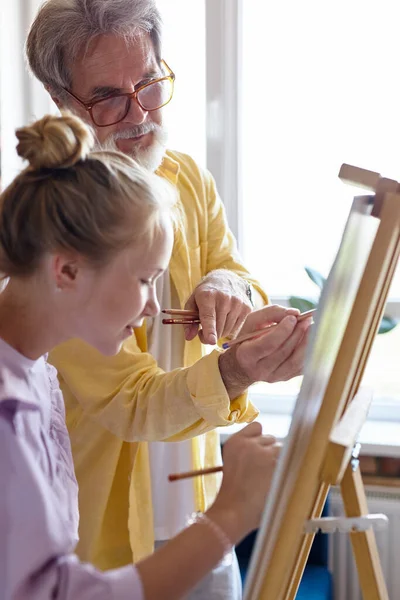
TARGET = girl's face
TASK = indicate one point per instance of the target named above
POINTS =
(117, 298)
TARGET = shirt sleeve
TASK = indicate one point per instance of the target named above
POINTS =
(36, 551)
(129, 395)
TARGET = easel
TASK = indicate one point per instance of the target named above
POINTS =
(328, 455)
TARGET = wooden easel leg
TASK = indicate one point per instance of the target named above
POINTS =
(305, 547)
(365, 550)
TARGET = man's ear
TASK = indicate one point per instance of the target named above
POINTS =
(55, 99)
(57, 102)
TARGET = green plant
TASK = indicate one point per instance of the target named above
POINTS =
(303, 304)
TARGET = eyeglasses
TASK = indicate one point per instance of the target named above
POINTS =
(113, 109)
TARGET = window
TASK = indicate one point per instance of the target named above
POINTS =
(22, 97)
(274, 96)
(318, 89)
(184, 50)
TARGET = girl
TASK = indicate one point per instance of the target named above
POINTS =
(83, 237)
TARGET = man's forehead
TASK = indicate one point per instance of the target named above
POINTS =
(109, 59)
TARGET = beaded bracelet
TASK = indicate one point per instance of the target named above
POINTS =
(201, 518)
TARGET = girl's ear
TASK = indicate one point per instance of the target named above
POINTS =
(65, 269)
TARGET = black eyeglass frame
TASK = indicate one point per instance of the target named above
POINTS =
(88, 106)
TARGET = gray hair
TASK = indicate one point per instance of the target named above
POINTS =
(64, 28)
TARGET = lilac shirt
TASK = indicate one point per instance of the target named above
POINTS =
(38, 498)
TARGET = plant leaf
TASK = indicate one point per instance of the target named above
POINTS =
(316, 277)
(387, 324)
(302, 304)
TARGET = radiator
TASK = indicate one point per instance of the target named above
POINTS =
(341, 562)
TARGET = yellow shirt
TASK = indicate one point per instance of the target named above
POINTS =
(114, 405)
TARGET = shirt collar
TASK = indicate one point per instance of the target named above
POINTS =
(169, 169)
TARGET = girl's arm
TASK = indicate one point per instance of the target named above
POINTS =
(36, 544)
(249, 462)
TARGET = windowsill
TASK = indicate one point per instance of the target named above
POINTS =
(377, 438)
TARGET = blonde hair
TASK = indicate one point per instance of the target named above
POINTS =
(72, 198)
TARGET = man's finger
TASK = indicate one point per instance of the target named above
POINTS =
(269, 343)
(236, 328)
(191, 303)
(275, 449)
(267, 315)
(221, 315)
(293, 349)
(234, 318)
(191, 331)
(293, 364)
(267, 440)
(206, 306)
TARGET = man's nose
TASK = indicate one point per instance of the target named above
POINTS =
(136, 115)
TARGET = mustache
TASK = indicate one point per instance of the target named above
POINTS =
(136, 131)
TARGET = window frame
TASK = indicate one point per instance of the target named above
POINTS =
(224, 102)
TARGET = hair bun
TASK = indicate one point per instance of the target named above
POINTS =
(55, 142)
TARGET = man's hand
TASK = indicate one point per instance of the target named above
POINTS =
(223, 306)
(277, 355)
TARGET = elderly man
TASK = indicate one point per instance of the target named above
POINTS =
(102, 59)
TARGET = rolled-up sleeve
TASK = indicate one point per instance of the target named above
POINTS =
(36, 546)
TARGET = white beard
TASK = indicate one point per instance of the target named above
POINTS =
(151, 157)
